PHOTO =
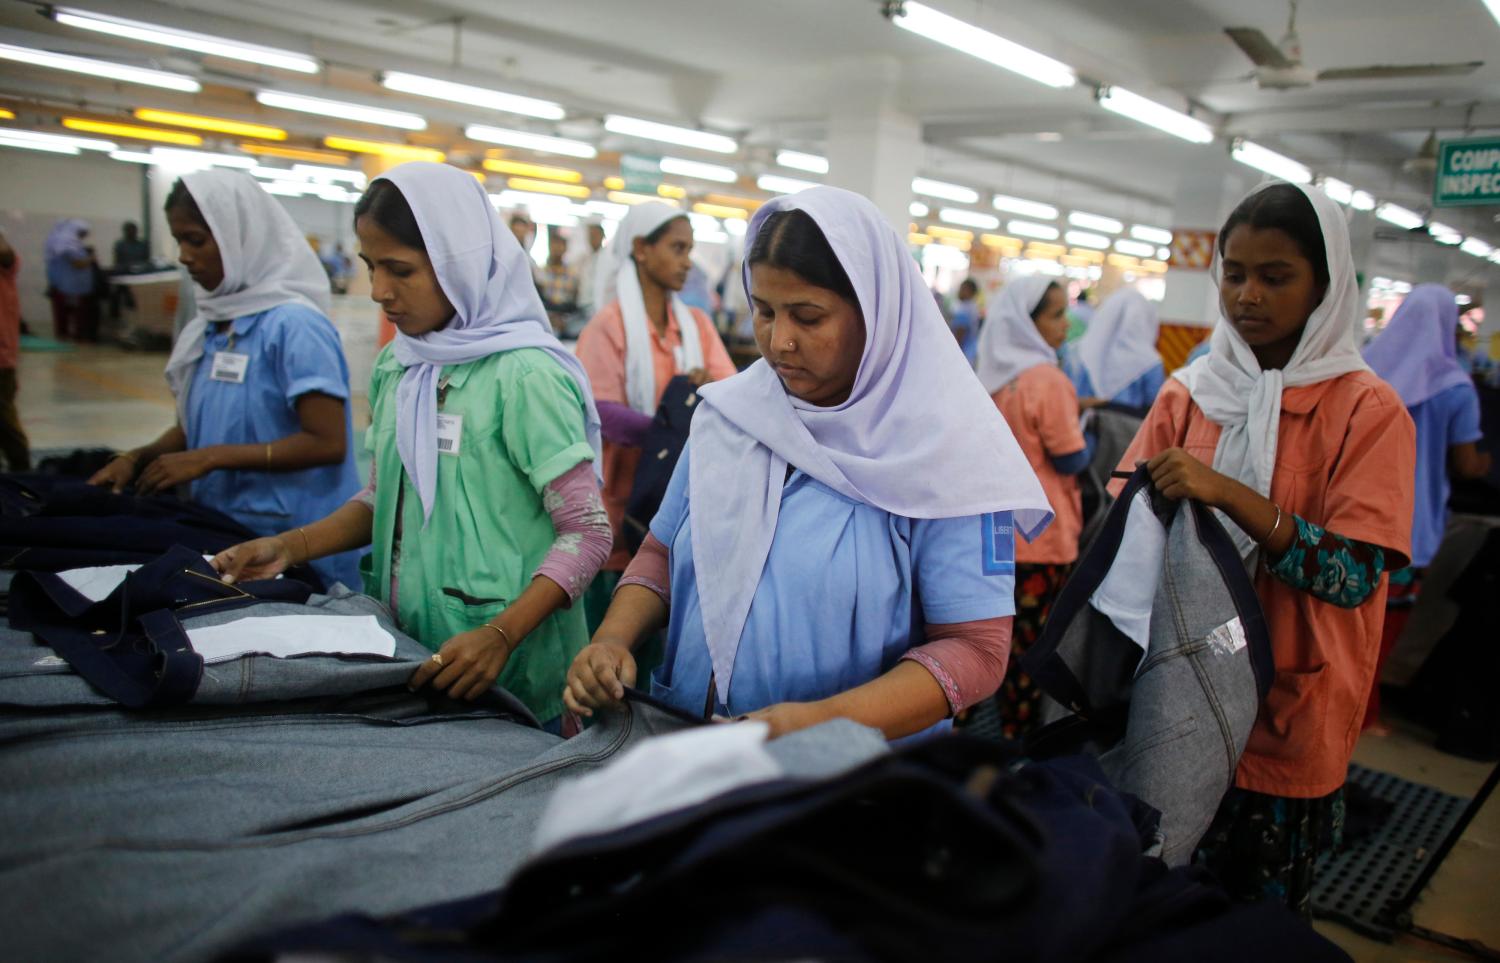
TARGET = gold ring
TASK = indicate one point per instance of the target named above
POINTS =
(438, 658)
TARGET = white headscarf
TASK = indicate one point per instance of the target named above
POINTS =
(1120, 343)
(917, 437)
(487, 277)
(616, 277)
(1009, 342)
(266, 262)
(1233, 391)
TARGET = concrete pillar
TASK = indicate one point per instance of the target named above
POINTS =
(1362, 226)
(158, 185)
(1433, 263)
(1203, 199)
(873, 147)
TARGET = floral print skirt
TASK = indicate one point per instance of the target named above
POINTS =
(1268, 847)
(1019, 700)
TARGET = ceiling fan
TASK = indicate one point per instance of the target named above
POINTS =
(1279, 66)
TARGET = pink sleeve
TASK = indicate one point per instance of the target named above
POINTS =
(584, 538)
(601, 351)
(967, 659)
(716, 360)
(1054, 405)
(366, 495)
(650, 569)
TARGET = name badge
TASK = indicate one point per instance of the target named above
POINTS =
(450, 429)
(229, 366)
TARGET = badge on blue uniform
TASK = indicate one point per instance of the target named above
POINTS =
(999, 543)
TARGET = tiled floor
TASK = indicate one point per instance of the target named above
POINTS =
(108, 397)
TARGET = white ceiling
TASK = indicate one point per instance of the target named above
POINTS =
(766, 71)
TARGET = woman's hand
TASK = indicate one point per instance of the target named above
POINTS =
(1178, 475)
(466, 665)
(173, 469)
(253, 560)
(120, 472)
(787, 717)
(598, 677)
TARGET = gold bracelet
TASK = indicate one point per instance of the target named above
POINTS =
(129, 457)
(306, 547)
(268, 456)
(503, 634)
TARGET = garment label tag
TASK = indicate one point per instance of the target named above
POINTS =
(1228, 638)
(229, 366)
(450, 430)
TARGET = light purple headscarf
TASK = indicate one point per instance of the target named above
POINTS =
(1417, 353)
(918, 436)
(63, 239)
(1009, 343)
(485, 274)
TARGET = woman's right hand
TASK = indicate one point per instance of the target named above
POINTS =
(598, 677)
(253, 560)
(120, 471)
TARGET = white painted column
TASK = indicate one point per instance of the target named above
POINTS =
(873, 147)
(1204, 197)
(159, 182)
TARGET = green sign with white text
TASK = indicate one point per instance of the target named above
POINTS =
(641, 174)
(1468, 173)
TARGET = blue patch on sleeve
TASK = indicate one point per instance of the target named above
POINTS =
(999, 540)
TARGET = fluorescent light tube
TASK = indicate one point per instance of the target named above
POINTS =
(341, 109)
(1120, 101)
(1399, 216)
(1156, 235)
(100, 68)
(799, 161)
(49, 147)
(667, 133)
(317, 172)
(948, 192)
(992, 48)
(776, 184)
(706, 172)
(529, 141)
(954, 215)
(1085, 239)
(1095, 222)
(1018, 205)
(470, 96)
(1045, 232)
(186, 40)
(172, 155)
(1268, 161)
(1338, 190)
(918, 209)
(58, 140)
(1135, 248)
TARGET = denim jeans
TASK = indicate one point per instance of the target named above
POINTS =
(1169, 723)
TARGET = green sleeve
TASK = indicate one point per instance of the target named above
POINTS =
(542, 423)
